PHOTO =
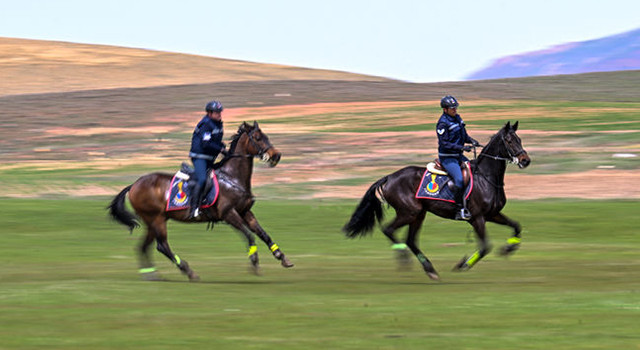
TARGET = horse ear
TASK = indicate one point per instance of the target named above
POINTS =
(255, 124)
(507, 126)
(515, 126)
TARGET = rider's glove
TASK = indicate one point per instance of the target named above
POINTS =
(466, 148)
(475, 143)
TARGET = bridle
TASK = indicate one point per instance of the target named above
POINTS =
(261, 150)
(513, 158)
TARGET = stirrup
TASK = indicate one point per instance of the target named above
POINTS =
(194, 214)
(463, 214)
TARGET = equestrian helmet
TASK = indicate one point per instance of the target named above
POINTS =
(214, 106)
(449, 102)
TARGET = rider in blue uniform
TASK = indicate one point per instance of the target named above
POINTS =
(206, 144)
(452, 137)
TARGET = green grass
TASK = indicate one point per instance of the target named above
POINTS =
(68, 281)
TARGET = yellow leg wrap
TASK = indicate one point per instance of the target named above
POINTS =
(274, 247)
(513, 240)
(473, 259)
(178, 261)
(147, 270)
(252, 250)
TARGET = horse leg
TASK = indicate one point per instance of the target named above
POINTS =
(414, 229)
(513, 243)
(147, 270)
(262, 234)
(484, 248)
(160, 229)
(234, 219)
(401, 249)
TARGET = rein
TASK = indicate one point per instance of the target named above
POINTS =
(512, 158)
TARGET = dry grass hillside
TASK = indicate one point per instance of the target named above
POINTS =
(35, 66)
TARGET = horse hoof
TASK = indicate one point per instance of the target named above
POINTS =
(434, 276)
(152, 276)
(286, 262)
(461, 265)
(508, 249)
(255, 270)
(193, 277)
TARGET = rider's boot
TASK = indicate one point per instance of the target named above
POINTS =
(194, 202)
(462, 213)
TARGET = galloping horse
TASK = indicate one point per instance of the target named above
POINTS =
(148, 198)
(485, 201)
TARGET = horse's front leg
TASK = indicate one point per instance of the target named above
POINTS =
(262, 234)
(234, 219)
(513, 243)
(484, 247)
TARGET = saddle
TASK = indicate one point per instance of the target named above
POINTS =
(436, 168)
(186, 173)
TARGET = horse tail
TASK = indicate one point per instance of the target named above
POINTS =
(365, 215)
(120, 213)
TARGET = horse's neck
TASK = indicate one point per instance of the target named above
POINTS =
(240, 168)
(493, 169)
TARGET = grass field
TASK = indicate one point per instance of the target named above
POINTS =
(69, 281)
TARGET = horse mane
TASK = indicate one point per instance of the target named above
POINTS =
(492, 140)
(232, 146)
(488, 146)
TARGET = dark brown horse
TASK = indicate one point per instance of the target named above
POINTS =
(233, 206)
(485, 202)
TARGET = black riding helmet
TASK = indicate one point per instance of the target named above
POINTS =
(214, 106)
(449, 102)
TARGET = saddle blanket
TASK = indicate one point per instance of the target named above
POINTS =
(434, 186)
(179, 192)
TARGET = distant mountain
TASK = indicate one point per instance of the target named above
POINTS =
(613, 53)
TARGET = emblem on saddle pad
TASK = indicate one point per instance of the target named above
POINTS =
(434, 184)
(179, 191)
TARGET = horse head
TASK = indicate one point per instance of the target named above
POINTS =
(256, 143)
(513, 146)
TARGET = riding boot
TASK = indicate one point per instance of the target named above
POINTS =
(195, 200)
(462, 213)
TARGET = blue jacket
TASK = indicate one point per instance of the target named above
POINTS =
(452, 136)
(206, 142)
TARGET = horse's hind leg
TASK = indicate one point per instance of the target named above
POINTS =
(147, 270)
(414, 229)
(513, 243)
(260, 232)
(159, 226)
(402, 253)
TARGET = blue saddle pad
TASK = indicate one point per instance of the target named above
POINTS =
(179, 193)
(434, 186)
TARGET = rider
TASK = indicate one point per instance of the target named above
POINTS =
(206, 144)
(452, 137)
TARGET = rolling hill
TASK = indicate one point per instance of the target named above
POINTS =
(36, 66)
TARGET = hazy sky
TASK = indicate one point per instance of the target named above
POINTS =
(418, 41)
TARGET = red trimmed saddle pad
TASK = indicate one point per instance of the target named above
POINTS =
(434, 186)
(179, 192)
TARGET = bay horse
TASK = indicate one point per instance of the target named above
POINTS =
(484, 203)
(148, 197)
